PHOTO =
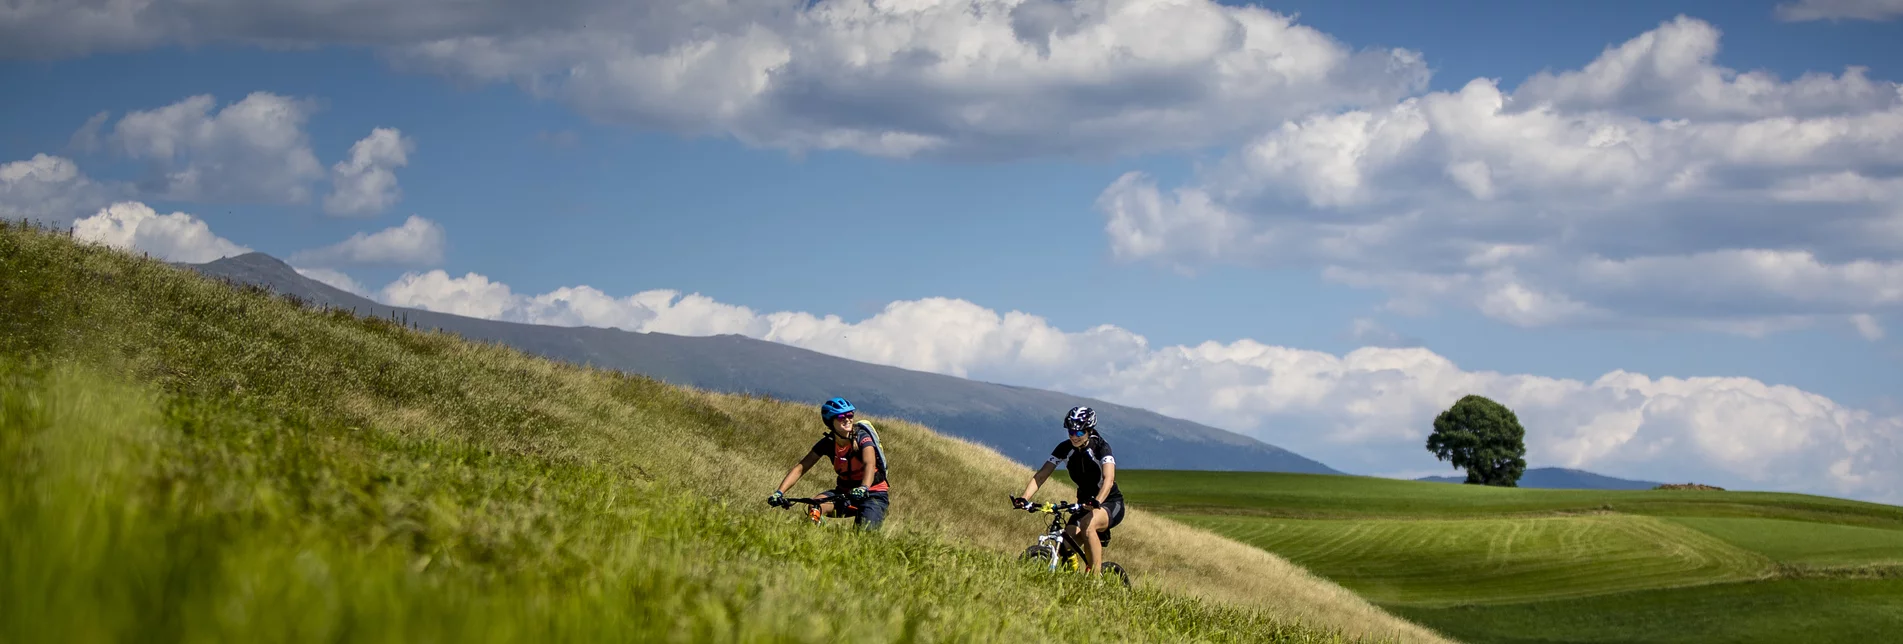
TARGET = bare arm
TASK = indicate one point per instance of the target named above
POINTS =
(871, 458)
(1109, 478)
(799, 469)
(1037, 480)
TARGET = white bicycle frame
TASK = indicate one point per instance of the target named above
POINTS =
(1055, 538)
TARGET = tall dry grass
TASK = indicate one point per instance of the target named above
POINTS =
(388, 393)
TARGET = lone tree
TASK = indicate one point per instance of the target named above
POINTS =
(1482, 436)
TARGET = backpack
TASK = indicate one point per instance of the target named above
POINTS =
(878, 447)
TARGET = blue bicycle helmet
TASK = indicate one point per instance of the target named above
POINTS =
(832, 409)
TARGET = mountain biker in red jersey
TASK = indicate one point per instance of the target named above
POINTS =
(1087, 456)
(851, 446)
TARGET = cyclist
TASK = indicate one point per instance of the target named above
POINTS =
(1087, 456)
(850, 446)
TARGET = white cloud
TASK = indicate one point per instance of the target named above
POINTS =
(177, 237)
(86, 138)
(254, 150)
(1805, 10)
(1562, 202)
(656, 311)
(956, 78)
(365, 184)
(1867, 326)
(1839, 187)
(52, 190)
(417, 242)
(1368, 411)
(1669, 72)
(42, 29)
(470, 295)
(962, 78)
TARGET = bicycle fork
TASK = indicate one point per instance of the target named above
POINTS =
(1071, 561)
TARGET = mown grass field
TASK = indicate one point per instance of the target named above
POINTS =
(1858, 611)
(183, 460)
(1497, 560)
(1486, 564)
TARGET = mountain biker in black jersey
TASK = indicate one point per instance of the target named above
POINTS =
(851, 446)
(1087, 456)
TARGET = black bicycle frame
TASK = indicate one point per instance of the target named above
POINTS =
(839, 502)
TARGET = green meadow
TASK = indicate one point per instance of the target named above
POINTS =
(1487, 564)
(184, 460)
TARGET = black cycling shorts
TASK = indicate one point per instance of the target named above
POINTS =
(1115, 508)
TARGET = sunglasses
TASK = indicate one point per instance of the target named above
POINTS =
(847, 416)
(1079, 432)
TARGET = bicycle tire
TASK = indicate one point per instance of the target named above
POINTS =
(1042, 554)
(1112, 566)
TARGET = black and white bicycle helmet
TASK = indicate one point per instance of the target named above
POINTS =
(1081, 418)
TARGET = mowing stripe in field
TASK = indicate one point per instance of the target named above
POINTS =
(1324, 496)
(1803, 542)
(1451, 562)
(1770, 611)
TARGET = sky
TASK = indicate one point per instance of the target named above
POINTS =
(1668, 235)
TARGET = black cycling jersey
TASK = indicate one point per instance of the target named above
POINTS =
(1085, 465)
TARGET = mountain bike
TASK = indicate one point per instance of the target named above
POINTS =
(812, 503)
(1058, 551)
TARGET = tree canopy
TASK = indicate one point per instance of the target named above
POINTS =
(1482, 436)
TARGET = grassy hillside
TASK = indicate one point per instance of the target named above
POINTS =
(183, 460)
(1014, 420)
(1490, 564)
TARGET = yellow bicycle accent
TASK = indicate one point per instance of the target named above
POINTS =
(1057, 551)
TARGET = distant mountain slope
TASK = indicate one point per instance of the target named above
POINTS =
(1559, 478)
(1020, 422)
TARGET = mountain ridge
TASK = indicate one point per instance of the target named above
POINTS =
(1562, 478)
(1023, 423)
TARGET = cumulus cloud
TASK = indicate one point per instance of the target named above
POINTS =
(86, 138)
(365, 184)
(417, 242)
(1867, 326)
(42, 29)
(1366, 411)
(254, 150)
(52, 190)
(177, 237)
(1806, 10)
(471, 295)
(1755, 204)
(1670, 72)
(956, 78)
(661, 311)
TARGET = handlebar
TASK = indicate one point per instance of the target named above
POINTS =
(787, 502)
(1052, 507)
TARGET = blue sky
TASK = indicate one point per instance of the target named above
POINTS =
(540, 179)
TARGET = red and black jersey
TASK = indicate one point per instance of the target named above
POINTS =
(849, 461)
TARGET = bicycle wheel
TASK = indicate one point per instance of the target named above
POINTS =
(1041, 555)
(1112, 567)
